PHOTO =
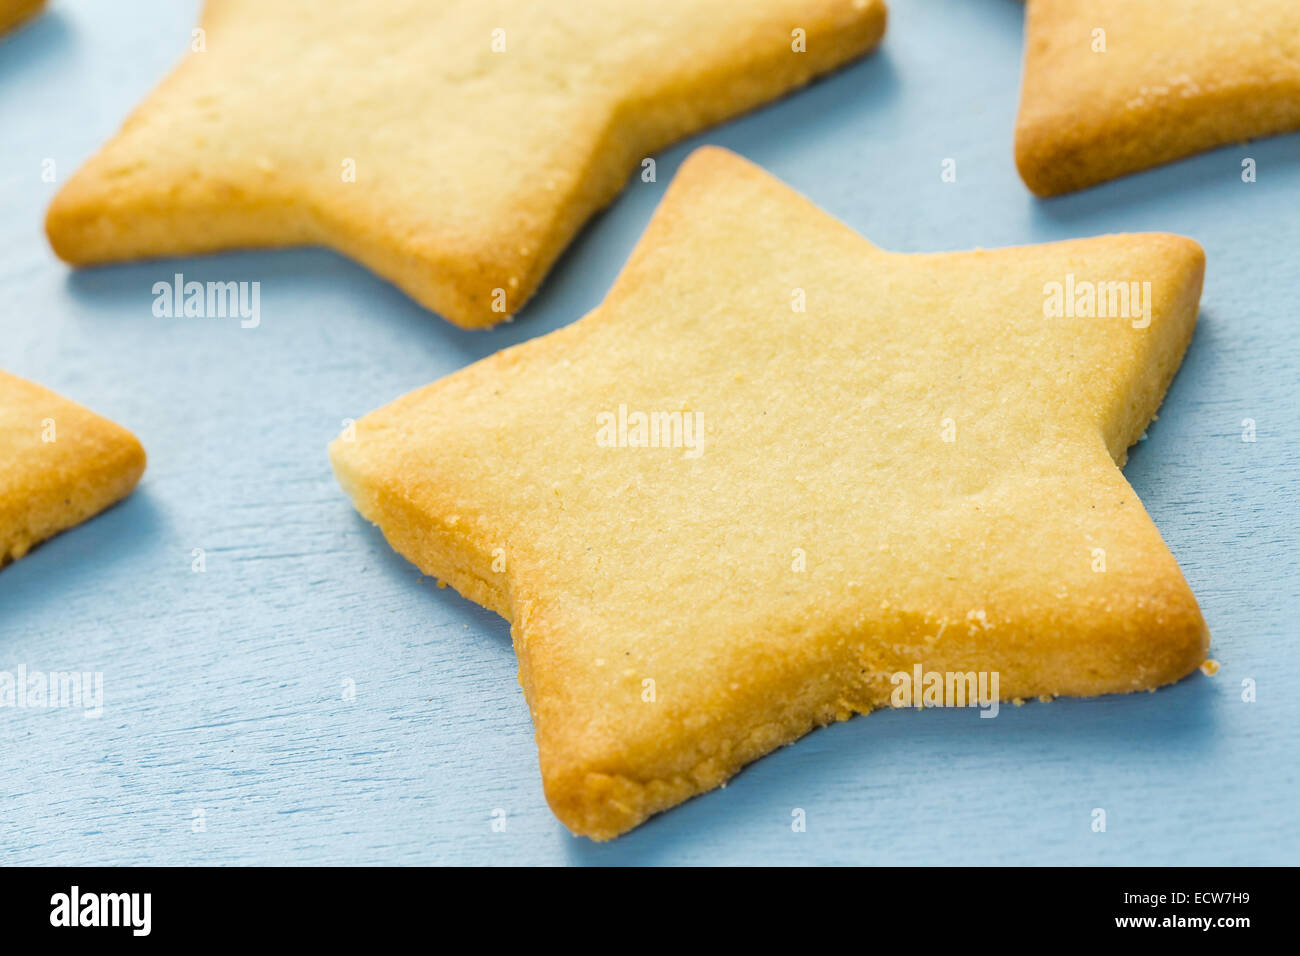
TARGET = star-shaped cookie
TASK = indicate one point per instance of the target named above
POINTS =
(452, 146)
(60, 463)
(14, 12)
(778, 466)
(1114, 86)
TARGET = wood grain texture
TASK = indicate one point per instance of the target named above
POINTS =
(223, 690)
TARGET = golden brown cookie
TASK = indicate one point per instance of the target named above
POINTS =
(778, 466)
(1114, 86)
(59, 464)
(453, 146)
(14, 12)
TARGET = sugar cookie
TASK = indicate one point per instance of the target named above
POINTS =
(452, 146)
(778, 466)
(59, 464)
(1114, 86)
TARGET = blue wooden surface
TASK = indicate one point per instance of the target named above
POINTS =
(223, 690)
